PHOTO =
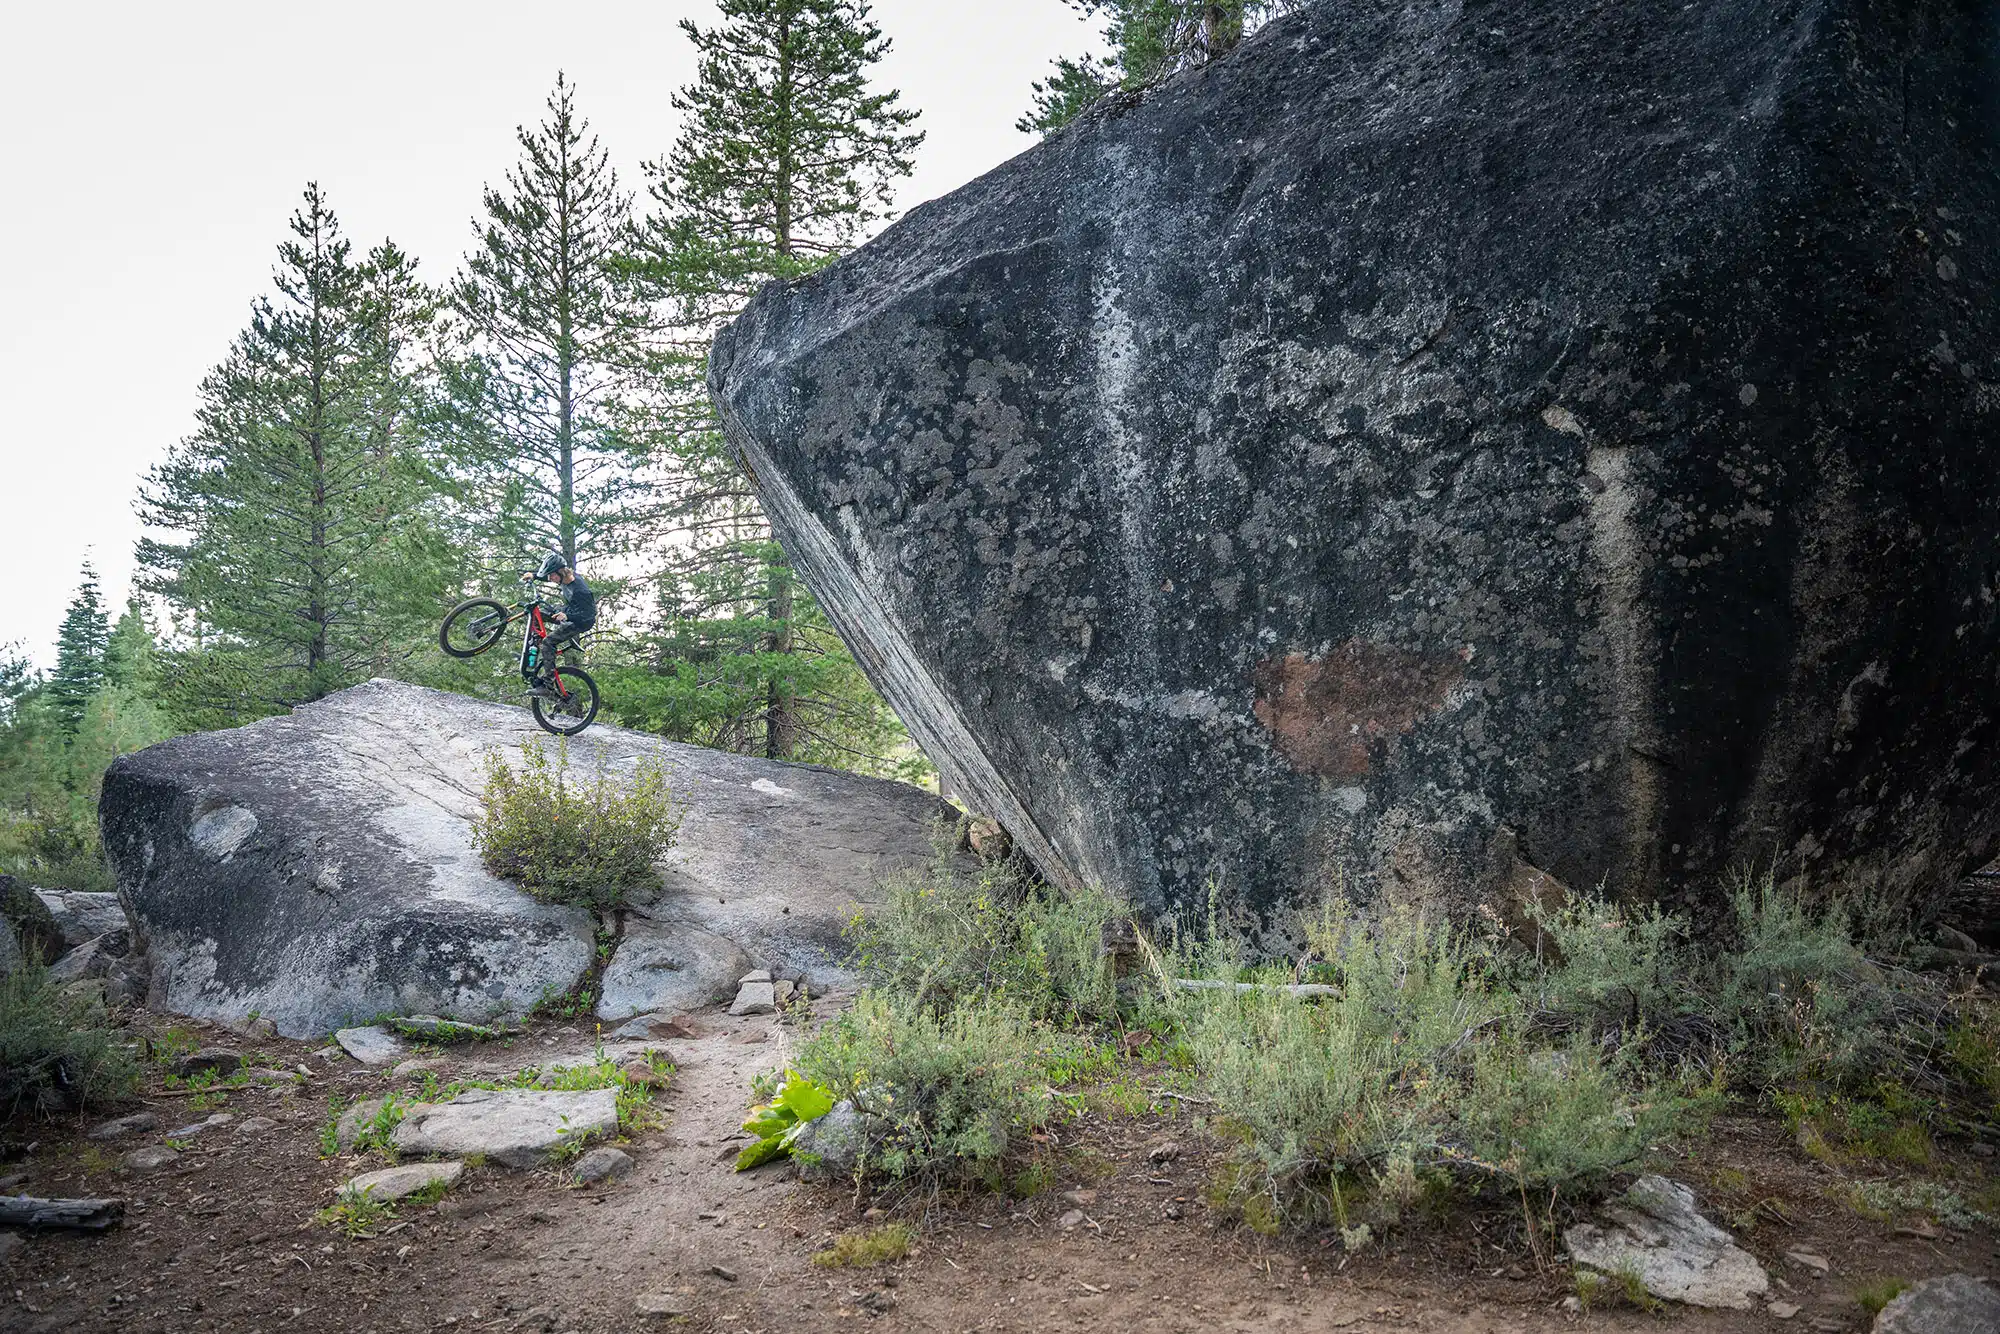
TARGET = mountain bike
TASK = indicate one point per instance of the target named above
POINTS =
(475, 625)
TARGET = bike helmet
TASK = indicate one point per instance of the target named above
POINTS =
(550, 564)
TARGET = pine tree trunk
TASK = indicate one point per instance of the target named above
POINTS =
(565, 360)
(781, 708)
(316, 540)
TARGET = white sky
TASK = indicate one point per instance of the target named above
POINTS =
(151, 154)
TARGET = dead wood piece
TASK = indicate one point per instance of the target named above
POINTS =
(79, 1215)
(1289, 988)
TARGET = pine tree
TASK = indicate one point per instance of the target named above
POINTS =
(131, 654)
(787, 154)
(80, 645)
(1150, 39)
(284, 494)
(543, 397)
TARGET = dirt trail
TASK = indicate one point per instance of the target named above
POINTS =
(223, 1240)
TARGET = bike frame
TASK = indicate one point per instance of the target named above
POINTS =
(537, 631)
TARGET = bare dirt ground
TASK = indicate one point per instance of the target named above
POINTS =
(225, 1239)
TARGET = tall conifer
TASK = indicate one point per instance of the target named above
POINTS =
(280, 501)
(542, 397)
(80, 645)
(787, 154)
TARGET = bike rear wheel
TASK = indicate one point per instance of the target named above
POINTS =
(472, 627)
(572, 713)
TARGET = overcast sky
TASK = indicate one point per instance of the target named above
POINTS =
(153, 152)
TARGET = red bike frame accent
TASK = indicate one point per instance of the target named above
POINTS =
(540, 634)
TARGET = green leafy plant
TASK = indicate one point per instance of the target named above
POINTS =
(356, 1213)
(589, 841)
(777, 1123)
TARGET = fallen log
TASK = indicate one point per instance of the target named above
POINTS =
(79, 1215)
(1289, 988)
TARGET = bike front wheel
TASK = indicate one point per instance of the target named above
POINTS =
(572, 713)
(472, 627)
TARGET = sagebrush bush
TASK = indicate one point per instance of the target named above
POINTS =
(1424, 1059)
(1785, 996)
(1439, 1058)
(596, 842)
(951, 929)
(55, 1054)
(953, 1090)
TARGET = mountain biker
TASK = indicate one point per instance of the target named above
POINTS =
(579, 613)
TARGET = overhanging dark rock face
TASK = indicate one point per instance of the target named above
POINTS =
(1434, 430)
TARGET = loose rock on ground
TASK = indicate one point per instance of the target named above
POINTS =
(1656, 1233)
(512, 1127)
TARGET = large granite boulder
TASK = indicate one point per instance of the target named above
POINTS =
(318, 868)
(1438, 430)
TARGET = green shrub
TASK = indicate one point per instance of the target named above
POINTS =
(952, 930)
(1561, 1118)
(55, 1054)
(1423, 1059)
(594, 842)
(954, 1090)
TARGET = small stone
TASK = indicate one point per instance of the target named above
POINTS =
(219, 1061)
(220, 1119)
(1952, 1304)
(371, 1044)
(256, 1125)
(601, 1165)
(1783, 1310)
(754, 975)
(126, 1125)
(640, 1072)
(395, 1183)
(1072, 1219)
(723, 1272)
(1807, 1260)
(755, 997)
(259, 1027)
(1164, 1153)
(663, 1304)
(348, 1127)
(149, 1159)
(413, 1067)
(681, 1026)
